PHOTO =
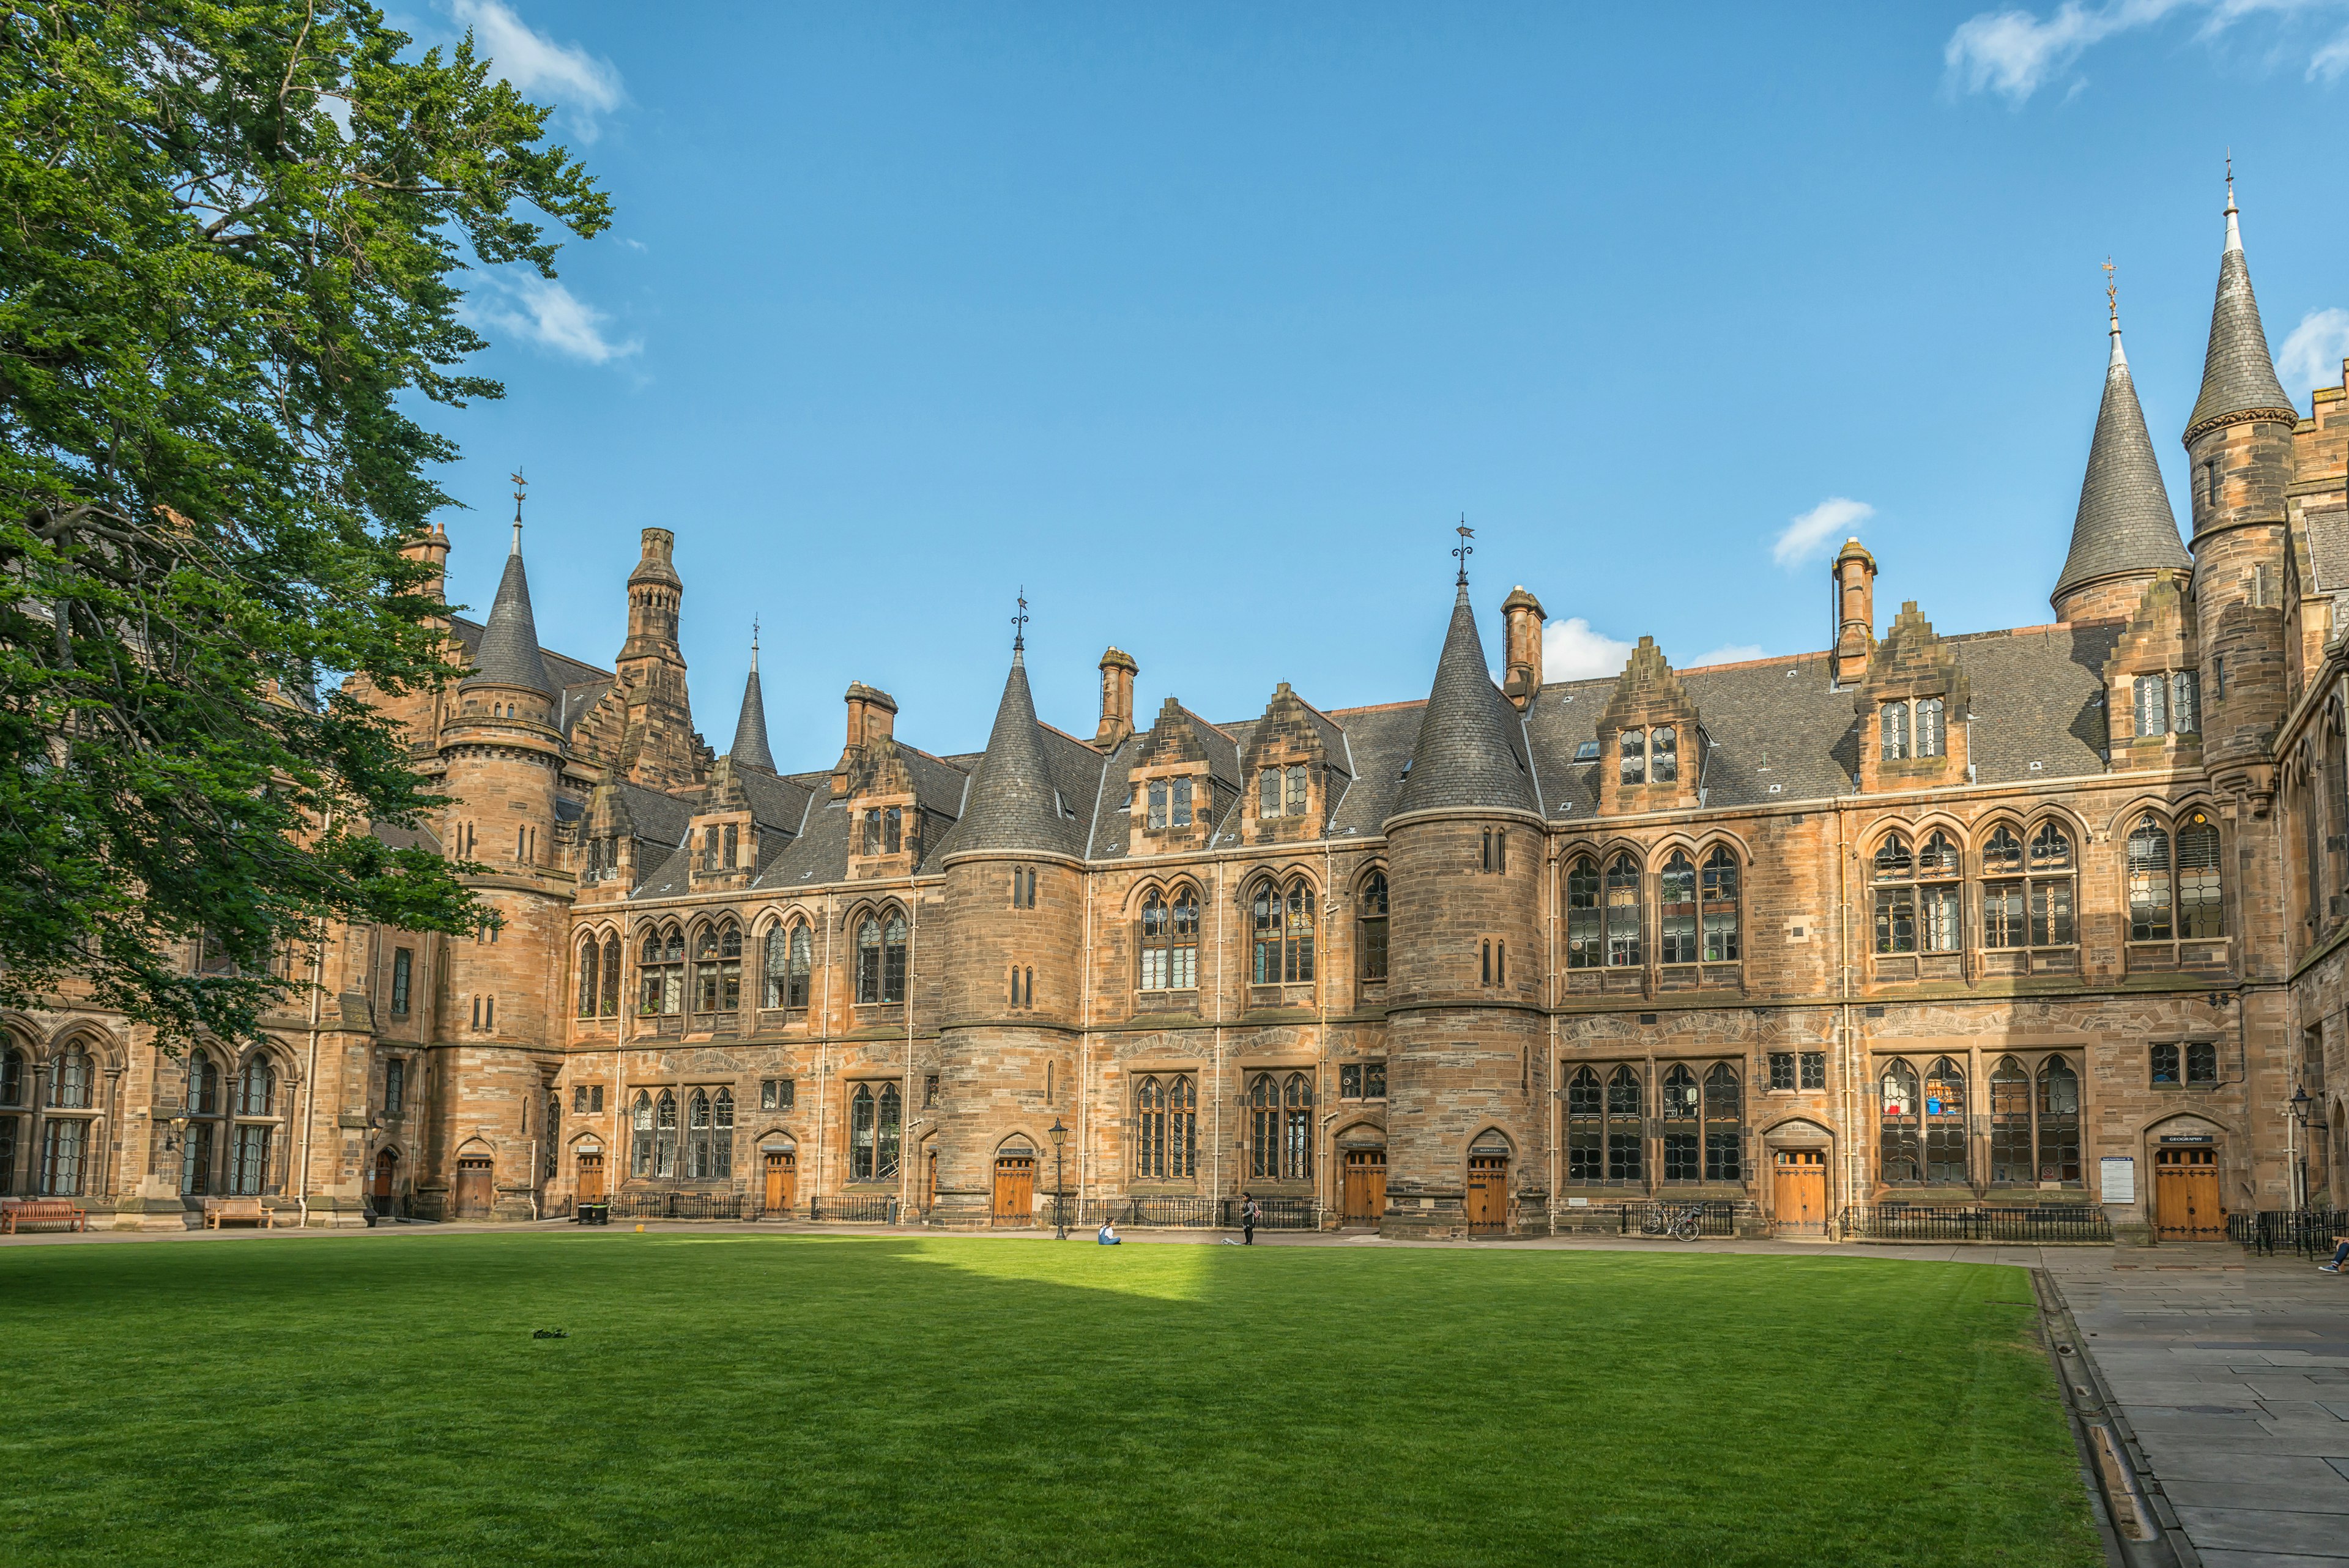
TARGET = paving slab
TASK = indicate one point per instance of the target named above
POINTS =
(2316, 1497)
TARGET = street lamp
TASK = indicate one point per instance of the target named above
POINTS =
(1059, 1137)
(2300, 1108)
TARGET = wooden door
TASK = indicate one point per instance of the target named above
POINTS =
(590, 1178)
(1365, 1186)
(473, 1200)
(931, 1183)
(782, 1180)
(1799, 1197)
(386, 1163)
(2186, 1194)
(1488, 1194)
(1015, 1190)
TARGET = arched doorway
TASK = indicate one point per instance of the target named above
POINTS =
(2186, 1193)
(783, 1179)
(1488, 1189)
(379, 1184)
(474, 1195)
(1015, 1184)
(1362, 1192)
(1798, 1192)
(590, 1181)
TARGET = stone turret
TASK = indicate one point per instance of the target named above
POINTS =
(750, 747)
(2123, 533)
(658, 747)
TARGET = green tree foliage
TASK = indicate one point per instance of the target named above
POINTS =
(231, 235)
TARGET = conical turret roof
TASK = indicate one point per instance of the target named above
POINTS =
(2124, 525)
(509, 652)
(1013, 803)
(2238, 374)
(1471, 745)
(750, 730)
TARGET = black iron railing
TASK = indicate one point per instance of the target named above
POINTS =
(853, 1211)
(1714, 1217)
(2054, 1224)
(678, 1205)
(2307, 1231)
(1276, 1213)
(1164, 1213)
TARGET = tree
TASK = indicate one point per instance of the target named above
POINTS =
(230, 239)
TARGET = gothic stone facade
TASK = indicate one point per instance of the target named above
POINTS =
(2054, 915)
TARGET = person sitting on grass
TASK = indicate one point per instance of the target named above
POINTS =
(1108, 1236)
(2340, 1255)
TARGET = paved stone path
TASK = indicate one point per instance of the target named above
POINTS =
(2231, 1374)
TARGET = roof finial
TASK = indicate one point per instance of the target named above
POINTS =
(520, 485)
(2234, 229)
(2113, 303)
(1465, 549)
(754, 642)
(1020, 622)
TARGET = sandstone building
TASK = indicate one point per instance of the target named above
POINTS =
(2052, 916)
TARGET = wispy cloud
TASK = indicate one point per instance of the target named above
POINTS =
(1571, 650)
(1804, 536)
(2015, 53)
(582, 86)
(1728, 653)
(539, 311)
(2311, 355)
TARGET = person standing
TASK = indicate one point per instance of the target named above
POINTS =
(1247, 1219)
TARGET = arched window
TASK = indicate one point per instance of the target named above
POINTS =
(1626, 1131)
(2148, 882)
(256, 1088)
(12, 1076)
(199, 1143)
(1166, 1110)
(70, 1077)
(255, 1096)
(775, 968)
(1370, 928)
(2020, 911)
(860, 1134)
(1623, 913)
(2010, 1162)
(1676, 910)
(665, 1137)
(1586, 1154)
(1725, 1124)
(1900, 1155)
(717, 967)
(1938, 924)
(1283, 935)
(1720, 897)
(721, 1147)
(868, 960)
(611, 1003)
(203, 1085)
(640, 1128)
(2058, 1129)
(1682, 1119)
(1297, 962)
(893, 958)
(696, 1136)
(590, 968)
(1896, 893)
(660, 968)
(2051, 887)
(1945, 1124)
(1280, 1126)
(1297, 1142)
(1169, 949)
(2201, 914)
(1584, 947)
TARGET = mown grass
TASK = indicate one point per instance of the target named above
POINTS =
(725, 1397)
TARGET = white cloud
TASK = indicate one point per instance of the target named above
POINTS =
(2015, 53)
(1806, 534)
(582, 86)
(2311, 355)
(544, 313)
(1728, 653)
(1571, 650)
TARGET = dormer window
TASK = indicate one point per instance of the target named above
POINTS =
(1917, 728)
(1280, 791)
(1170, 803)
(884, 830)
(1647, 756)
(1588, 751)
(1633, 751)
(2167, 704)
(721, 847)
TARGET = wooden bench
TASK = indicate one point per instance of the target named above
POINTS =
(219, 1211)
(41, 1211)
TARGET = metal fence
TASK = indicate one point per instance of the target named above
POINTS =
(681, 1206)
(1147, 1213)
(2040, 1224)
(851, 1211)
(2307, 1231)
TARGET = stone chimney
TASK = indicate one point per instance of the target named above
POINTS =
(1117, 672)
(1521, 616)
(1855, 584)
(871, 718)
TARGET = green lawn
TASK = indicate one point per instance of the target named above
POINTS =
(726, 1398)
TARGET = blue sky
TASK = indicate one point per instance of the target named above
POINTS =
(1206, 324)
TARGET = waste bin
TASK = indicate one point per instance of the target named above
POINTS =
(595, 1214)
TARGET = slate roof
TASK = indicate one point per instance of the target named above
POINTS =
(751, 728)
(2328, 548)
(507, 654)
(2123, 524)
(1021, 797)
(2238, 374)
(1471, 750)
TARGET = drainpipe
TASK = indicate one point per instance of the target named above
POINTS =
(1084, 1046)
(1554, 1108)
(905, 1151)
(1215, 1158)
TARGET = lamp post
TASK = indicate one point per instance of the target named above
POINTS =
(1059, 1137)
(2300, 1108)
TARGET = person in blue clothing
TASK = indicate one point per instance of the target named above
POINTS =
(1109, 1236)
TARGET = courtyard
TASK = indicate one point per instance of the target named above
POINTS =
(735, 1397)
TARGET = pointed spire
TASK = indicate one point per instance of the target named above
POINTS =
(509, 654)
(2239, 376)
(2124, 525)
(750, 730)
(1471, 745)
(1012, 802)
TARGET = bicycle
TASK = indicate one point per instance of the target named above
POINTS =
(1680, 1222)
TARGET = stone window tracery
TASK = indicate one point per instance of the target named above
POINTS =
(1585, 947)
(1169, 948)
(1282, 920)
(1370, 928)
(660, 973)
(717, 967)
(875, 1124)
(1167, 1131)
(1917, 900)
(1624, 915)
(1281, 1116)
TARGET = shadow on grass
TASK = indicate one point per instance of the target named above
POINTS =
(730, 1398)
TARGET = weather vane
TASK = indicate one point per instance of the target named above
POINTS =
(1020, 622)
(2112, 292)
(1465, 549)
(520, 485)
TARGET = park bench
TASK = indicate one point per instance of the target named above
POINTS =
(41, 1211)
(219, 1211)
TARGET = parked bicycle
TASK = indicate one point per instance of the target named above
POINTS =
(1679, 1221)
